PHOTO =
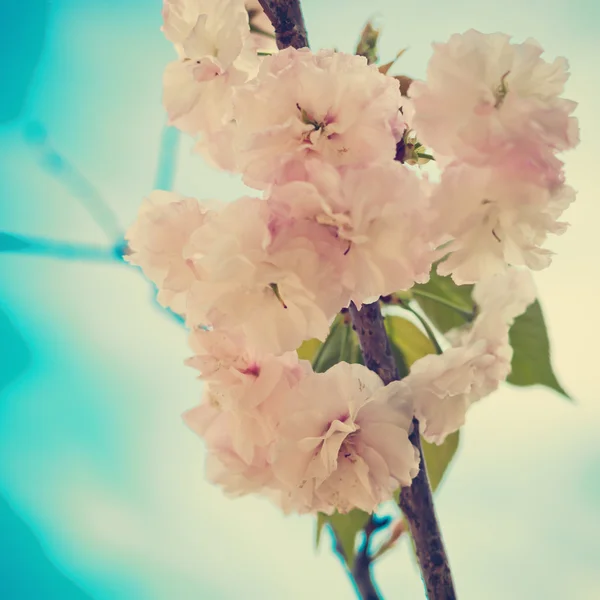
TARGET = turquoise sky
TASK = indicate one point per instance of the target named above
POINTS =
(102, 492)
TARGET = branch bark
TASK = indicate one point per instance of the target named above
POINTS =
(286, 17)
(416, 501)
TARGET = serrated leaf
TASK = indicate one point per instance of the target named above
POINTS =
(438, 458)
(531, 362)
(345, 528)
(442, 316)
(408, 339)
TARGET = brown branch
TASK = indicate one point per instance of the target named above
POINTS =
(416, 501)
(361, 574)
(286, 17)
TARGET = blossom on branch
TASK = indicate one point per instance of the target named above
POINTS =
(495, 218)
(486, 99)
(249, 385)
(377, 218)
(326, 104)
(444, 386)
(275, 285)
(156, 240)
(212, 39)
(341, 444)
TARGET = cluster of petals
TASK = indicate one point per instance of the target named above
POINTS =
(444, 386)
(278, 269)
(341, 221)
(492, 113)
(215, 55)
(310, 441)
(325, 104)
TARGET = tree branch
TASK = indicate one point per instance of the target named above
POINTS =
(360, 573)
(416, 501)
(286, 17)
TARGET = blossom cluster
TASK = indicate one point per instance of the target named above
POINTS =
(492, 113)
(337, 218)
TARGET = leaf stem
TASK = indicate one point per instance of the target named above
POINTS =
(425, 324)
(260, 31)
(463, 312)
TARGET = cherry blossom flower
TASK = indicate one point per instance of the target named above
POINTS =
(444, 386)
(156, 240)
(486, 99)
(441, 387)
(327, 104)
(341, 444)
(224, 466)
(246, 383)
(274, 285)
(377, 217)
(212, 39)
(495, 219)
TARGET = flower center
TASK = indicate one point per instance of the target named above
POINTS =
(319, 128)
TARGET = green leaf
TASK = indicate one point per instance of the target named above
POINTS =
(345, 528)
(322, 520)
(437, 458)
(309, 349)
(437, 298)
(367, 44)
(341, 345)
(531, 358)
(408, 340)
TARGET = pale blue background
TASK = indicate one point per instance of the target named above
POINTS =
(101, 487)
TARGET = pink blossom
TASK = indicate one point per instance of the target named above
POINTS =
(495, 219)
(328, 104)
(224, 466)
(246, 383)
(156, 240)
(341, 444)
(486, 99)
(376, 218)
(215, 55)
(277, 288)
(444, 386)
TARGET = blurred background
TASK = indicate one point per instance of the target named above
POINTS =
(102, 491)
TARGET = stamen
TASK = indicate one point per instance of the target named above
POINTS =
(275, 289)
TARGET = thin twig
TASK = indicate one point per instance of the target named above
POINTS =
(361, 570)
(12, 243)
(68, 174)
(360, 573)
(286, 17)
(416, 501)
